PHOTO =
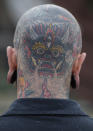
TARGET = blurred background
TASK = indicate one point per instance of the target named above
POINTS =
(10, 12)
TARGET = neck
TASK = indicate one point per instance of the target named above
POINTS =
(42, 87)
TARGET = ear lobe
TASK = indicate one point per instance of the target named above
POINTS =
(78, 63)
(81, 60)
(12, 62)
(75, 81)
(14, 77)
(76, 69)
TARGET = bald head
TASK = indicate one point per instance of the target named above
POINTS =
(47, 42)
(48, 37)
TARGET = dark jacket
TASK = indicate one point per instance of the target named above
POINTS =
(45, 115)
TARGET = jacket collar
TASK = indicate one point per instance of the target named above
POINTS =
(37, 106)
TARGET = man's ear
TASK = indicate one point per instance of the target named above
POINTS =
(12, 62)
(77, 67)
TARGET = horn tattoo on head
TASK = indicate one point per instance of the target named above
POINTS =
(48, 40)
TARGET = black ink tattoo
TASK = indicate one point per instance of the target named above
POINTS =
(47, 39)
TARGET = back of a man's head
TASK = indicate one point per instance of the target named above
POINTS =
(47, 43)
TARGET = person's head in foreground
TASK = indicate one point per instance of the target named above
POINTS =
(47, 53)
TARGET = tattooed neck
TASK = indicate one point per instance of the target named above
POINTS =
(42, 87)
(48, 40)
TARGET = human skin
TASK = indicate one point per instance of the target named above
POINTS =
(47, 51)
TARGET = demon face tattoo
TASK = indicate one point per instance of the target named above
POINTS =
(46, 51)
(48, 40)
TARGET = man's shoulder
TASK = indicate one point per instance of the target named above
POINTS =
(77, 123)
(81, 123)
(10, 123)
(87, 121)
(60, 115)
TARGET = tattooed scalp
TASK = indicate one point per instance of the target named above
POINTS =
(47, 40)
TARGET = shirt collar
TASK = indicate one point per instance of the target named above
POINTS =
(37, 106)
